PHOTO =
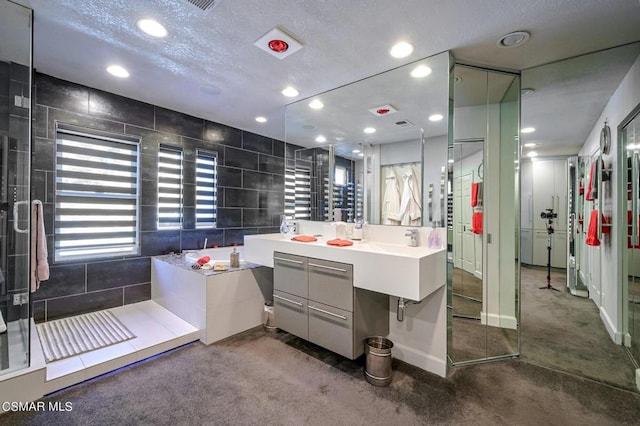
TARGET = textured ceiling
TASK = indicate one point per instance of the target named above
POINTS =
(344, 41)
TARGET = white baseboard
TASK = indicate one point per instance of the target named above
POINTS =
(615, 335)
(502, 321)
(420, 359)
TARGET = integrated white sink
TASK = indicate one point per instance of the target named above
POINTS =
(397, 270)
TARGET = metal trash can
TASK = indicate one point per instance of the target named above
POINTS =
(268, 316)
(377, 370)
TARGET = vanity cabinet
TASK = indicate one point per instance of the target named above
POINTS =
(315, 299)
(290, 293)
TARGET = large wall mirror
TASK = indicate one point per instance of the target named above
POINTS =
(374, 149)
(584, 326)
(483, 282)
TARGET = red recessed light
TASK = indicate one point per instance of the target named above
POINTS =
(278, 46)
(382, 111)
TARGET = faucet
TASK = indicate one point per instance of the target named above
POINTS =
(413, 237)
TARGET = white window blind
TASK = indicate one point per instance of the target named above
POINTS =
(169, 187)
(96, 189)
(206, 185)
(297, 193)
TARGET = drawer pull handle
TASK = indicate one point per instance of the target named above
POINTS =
(298, 262)
(342, 317)
(328, 267)
(288, 300)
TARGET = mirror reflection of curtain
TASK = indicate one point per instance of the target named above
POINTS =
(402, 200)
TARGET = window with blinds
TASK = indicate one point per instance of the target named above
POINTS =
(96, 190)
(206, 186)
(297, 193)
(169, 187)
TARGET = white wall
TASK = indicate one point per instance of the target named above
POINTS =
(621, 103)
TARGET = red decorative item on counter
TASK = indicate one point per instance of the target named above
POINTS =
(203, 260)
(304, 238)
(339, 243)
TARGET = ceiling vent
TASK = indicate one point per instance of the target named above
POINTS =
(204, 4)
(404, 123)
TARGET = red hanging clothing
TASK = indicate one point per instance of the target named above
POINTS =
(592, 233)
(476, 223)
(475, 189)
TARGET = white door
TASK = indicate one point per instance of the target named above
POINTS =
(464, 245)
(559, 250)
(544, 196)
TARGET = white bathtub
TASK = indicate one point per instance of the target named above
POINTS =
(218, 304)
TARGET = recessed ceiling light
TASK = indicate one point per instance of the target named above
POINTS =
(528, 130)
(117, 71)
(290, 92)
(532, 154)
(516, 38)
(361, 154)
(356, 151)
(315, 104)
(526, 92)
(436, 117)
(369, 130)
(261, 119)
(152, 27)
(321, 139)
(401, 50)
(420, 71)
(450, 160)
(529, 145)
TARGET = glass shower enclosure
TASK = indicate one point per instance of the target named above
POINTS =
(15, 206)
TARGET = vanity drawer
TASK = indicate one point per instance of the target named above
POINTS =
(290, 274)
(331, 328)
(290, 313)
(330, 283)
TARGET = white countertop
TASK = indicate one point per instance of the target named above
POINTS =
(397, 270)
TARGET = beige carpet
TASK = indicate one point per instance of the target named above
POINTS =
(259, 378)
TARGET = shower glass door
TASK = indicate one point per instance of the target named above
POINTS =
(15, 151)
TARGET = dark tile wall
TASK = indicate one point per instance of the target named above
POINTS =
(250, 193)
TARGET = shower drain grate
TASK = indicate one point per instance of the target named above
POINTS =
(79, 334)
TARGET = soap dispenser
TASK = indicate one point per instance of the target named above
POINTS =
(234, 257)
(358, 229)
